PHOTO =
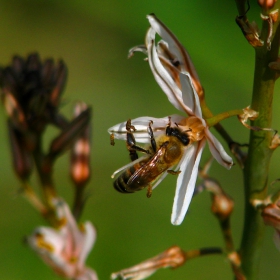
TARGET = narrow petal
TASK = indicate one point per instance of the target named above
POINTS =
(217, 150)
(141, 124)
(163, 78)
(89, 235)
(140, 48)
(189, 94)
(177, 49)
(186, 181)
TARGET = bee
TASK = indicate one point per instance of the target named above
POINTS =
(165, 152)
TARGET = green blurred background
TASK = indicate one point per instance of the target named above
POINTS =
(93, 38)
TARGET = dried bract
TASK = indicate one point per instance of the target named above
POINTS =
(250, 31)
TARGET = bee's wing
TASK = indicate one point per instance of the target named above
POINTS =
(150, 170)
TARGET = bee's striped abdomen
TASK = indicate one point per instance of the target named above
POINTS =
(120, 183)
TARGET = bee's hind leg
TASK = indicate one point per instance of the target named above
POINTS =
(173, 172)
(149, 191)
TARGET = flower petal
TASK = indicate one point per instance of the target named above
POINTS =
(141, 124)
(49, 245)
(186, 181)
(89, 274)
(46, 239)
(163, 78)
(177, 49)
(189, 94)
(89, 236)
(140, 48)
(217, 150)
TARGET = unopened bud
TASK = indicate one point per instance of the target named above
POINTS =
(266, 4)
(22, 158)
(60, 80)
(14, 111)
(222, 206)
(70, 134)
(80, 155)
(172, 257)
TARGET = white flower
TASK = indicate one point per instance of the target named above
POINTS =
(175, 74)
(66, 248)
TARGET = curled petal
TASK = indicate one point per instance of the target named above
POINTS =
(163, 78)
(217, 150)
(141, 135)
(186, 181)
(176, 48)
(190, 96)
(140, 48)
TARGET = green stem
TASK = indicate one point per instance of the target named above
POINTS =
(259, 155)
(216, 119)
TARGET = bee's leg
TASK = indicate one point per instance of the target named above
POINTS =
(168, 130)
(173, 172)
(131, 143)
(149, 191)
(151, 133)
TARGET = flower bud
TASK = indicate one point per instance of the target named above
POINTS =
(266, 4)
(80, 153)
(222, 206)
(172, 257)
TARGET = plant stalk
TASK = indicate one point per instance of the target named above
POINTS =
(259, 154)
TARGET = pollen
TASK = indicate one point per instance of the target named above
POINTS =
(42, 244)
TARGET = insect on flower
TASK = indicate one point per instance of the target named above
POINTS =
(164, 153)
(176, 141)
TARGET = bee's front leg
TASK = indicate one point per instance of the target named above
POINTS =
(131, 143)
(151, 133)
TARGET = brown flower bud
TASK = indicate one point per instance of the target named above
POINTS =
(266, 4)
(222, 206)
(80, 153)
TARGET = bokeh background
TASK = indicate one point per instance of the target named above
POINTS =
(93, 38)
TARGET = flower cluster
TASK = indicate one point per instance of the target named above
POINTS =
(175, 74)
(31, 94)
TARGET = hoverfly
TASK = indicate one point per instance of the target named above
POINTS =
(165, 152)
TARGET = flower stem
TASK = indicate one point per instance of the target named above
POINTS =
(216, 119)
(34, 200)
(259, 154)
